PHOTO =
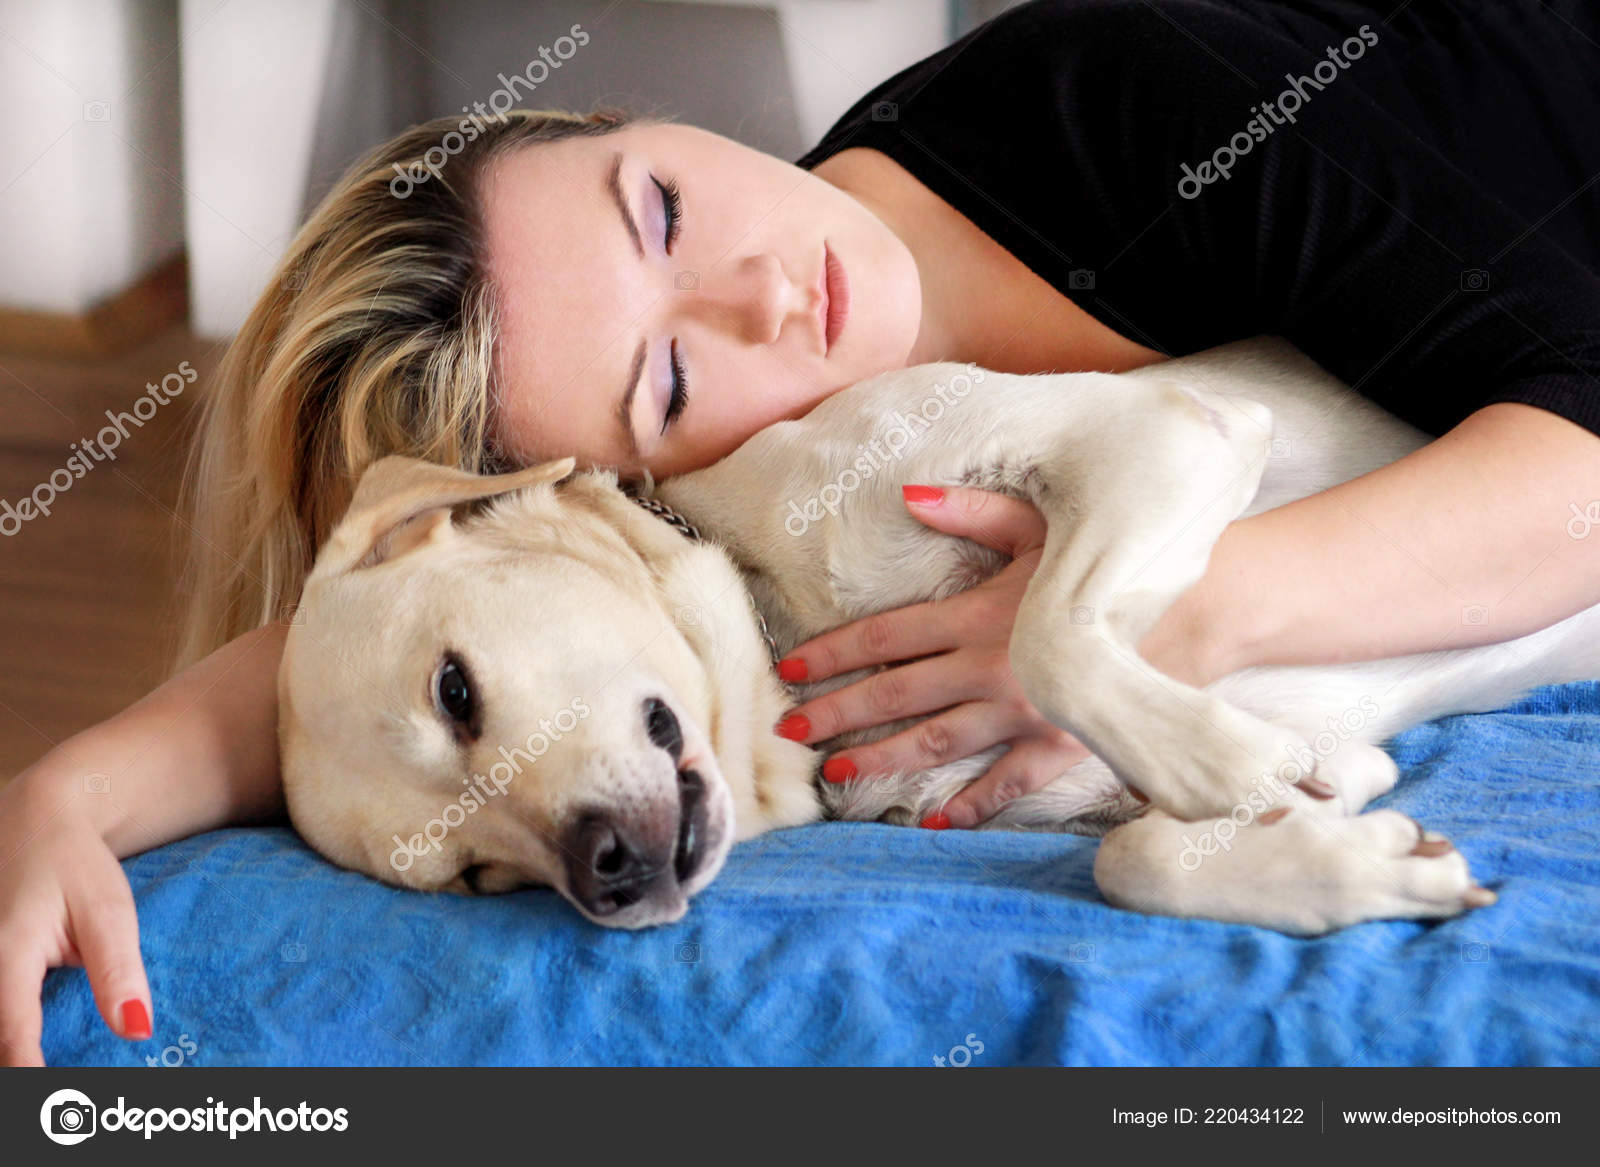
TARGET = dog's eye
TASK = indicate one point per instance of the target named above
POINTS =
(662, 726)
(454, 695)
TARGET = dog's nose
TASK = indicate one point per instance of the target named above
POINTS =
(606, 870)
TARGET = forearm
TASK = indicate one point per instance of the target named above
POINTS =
(1471, 540)
(199, 752)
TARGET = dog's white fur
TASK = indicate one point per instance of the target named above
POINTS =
(559, 589)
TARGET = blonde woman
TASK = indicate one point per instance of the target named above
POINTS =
(1074, 185)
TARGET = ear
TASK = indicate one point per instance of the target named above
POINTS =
(402, 503)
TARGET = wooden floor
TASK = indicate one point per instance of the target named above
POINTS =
(86, 593)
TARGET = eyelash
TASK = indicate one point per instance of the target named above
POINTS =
(672, 201)
(680, 391)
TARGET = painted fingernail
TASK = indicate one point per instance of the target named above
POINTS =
(135, 1020)
(1138, 796)
(792, 669)
(1273, 815)
(796, 727)
(839, 769)
(923, 496)
(1317, 788)
(938, 821)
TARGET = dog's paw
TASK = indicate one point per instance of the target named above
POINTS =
(1228, 763)
(1290, 869)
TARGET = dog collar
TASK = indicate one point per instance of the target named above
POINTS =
(692, 533)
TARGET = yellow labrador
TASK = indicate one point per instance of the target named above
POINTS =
(533, 679)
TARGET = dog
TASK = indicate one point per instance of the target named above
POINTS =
(531, 678)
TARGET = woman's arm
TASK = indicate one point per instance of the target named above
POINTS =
(1469, 540)
(198, 752)
(1484, 535)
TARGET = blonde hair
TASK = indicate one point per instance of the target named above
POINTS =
(375, 336)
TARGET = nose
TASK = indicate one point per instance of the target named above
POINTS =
(606, 870)
(755, 297)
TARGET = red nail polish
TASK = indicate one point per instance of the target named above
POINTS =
(796, 727)
(927, 496)
(938, 821)
(839, 769)
(135, 1020)
(792, 669)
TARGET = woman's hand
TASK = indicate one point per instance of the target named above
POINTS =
(966, 673)
(63, 900)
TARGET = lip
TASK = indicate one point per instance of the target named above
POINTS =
(835, 306)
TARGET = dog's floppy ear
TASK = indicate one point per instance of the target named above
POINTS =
(402, 503)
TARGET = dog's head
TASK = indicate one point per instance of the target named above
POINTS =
(479, 697)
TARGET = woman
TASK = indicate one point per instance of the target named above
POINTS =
(1074, 185)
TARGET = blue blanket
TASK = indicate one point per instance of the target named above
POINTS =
(852, 943)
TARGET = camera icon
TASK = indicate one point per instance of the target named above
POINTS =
(1082, 614)
(1280, 448)
(1474, 952)
(885, 111)
(1081, 953)
(293, 953)
(1474, 279)
(687, 953)
(67, 1117)
(1474, 614)
(688, 615)
(295, 278)
(97, 783)
(97, 111)
(686, 281)
(291, 613)
(1080, 279)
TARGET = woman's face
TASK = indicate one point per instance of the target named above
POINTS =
(635, 337)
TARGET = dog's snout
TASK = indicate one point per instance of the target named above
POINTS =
(606, 870)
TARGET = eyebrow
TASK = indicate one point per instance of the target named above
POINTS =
(630, 387)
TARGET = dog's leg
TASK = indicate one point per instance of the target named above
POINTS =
(1301, 868)
(1134, 510)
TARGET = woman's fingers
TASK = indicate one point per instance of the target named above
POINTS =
(899, 634)
(105, 929)
(956, 733)
(1006, 524)
(910, 690)
(1031, 764)
(21, 1013)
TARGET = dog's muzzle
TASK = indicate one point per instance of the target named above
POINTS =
(609, 868)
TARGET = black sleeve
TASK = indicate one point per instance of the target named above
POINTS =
(1342, 231)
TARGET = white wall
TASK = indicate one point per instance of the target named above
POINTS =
(90, 194)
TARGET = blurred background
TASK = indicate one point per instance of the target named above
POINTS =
(159, 155)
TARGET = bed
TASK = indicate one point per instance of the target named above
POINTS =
(867, 944)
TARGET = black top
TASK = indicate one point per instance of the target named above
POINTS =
(1415, 204)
